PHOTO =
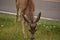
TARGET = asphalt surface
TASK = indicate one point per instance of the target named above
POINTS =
(48, 9)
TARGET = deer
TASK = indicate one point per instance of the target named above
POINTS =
(27, 8)
(32, 24)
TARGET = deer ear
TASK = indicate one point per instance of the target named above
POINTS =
(38, 17)
(25, 18)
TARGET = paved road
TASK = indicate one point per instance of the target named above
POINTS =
(48, 9)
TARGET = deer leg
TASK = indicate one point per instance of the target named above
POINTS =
(23, 27)
(17, 20)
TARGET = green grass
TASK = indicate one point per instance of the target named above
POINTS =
(46, 30)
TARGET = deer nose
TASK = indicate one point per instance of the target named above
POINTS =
(32, 31)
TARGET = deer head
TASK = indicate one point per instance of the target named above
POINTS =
(32, 24)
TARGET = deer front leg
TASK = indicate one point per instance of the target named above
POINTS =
(17, 19)
(23, 28)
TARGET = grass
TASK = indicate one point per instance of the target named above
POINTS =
(46, 30)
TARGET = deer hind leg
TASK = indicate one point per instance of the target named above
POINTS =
(23, 27)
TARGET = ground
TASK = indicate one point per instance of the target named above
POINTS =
(46, 30)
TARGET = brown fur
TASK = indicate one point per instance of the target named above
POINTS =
(27, 7)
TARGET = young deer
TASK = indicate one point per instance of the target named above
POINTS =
(32, 24)
(26, 7)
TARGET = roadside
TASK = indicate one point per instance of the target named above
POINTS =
(34, 16)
